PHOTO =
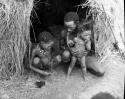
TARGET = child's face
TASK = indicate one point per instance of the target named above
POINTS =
(47, 45)
(71, 25)
(86, 35)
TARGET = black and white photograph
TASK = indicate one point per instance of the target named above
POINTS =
(62, 49)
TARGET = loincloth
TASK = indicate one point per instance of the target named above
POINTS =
(78, 53)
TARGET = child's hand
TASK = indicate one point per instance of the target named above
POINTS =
(58, 57)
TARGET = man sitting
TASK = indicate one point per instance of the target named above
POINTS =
(72, 36)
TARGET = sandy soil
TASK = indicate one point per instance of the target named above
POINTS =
(58, 87)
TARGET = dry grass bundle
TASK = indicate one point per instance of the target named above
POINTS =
(14, 35)
(105, 25)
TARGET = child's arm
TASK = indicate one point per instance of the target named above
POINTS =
(88, 45)
(86, 38)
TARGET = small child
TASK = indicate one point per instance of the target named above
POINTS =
(79, 47)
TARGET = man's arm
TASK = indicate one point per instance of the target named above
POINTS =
(63, 39)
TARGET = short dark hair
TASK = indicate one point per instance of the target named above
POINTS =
(71, 16)
(45, 36)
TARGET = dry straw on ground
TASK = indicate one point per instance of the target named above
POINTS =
(14, 35)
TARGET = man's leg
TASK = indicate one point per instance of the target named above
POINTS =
(94, 66)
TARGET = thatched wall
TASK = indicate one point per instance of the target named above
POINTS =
(108, 25)
(14, 35)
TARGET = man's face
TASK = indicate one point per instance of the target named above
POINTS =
(70, 25)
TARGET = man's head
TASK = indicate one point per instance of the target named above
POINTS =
(71, 20)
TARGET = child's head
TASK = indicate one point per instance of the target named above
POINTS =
(71, 20)
(86, 35)
(45, 36)
(46, 40)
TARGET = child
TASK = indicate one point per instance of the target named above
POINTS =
(79, 48)
(48, 44)
(41, 53)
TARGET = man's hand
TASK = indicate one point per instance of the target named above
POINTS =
(56, 60)
(70, 43)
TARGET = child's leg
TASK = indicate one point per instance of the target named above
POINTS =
(72, 64)
(55, 61)
(83, 66)
(36, 60)
(66, 56)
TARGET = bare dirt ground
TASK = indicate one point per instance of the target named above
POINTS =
(58, 87)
